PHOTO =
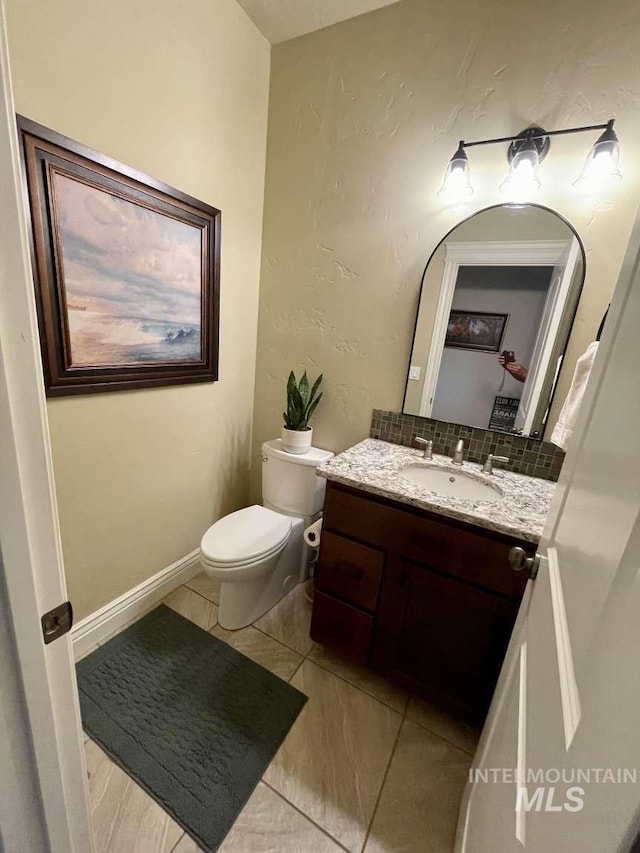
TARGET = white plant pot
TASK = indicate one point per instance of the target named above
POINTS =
(297, 441)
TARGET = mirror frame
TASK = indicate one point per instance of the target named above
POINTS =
(443, 240)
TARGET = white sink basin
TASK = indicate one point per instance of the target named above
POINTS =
(450, 484)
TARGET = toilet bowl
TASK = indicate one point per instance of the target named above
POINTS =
(258, 553)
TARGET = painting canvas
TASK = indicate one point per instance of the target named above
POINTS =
(475, 330)
(126, 271)
(131, 279)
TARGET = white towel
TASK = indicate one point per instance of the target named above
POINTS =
(563, 430)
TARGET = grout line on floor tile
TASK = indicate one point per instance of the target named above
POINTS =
(264, 634)
(357, 686)
(195, 592)
(273, 639)
(305, 816)
(384, 782)
(175, 846)
(282, 643)
(291, 677)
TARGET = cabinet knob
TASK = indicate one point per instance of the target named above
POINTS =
(519, 560)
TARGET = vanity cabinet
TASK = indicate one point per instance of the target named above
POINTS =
(415, 594)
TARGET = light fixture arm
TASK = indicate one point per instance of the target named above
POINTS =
(539, 133)
(526, 151)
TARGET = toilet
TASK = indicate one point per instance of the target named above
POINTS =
(258, 553)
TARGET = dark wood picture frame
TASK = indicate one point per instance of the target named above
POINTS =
(47, 155)
(465, 340)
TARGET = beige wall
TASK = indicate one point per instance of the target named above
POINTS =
(180, 91)
(502, 224)
(363, 119)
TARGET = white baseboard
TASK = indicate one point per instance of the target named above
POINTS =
(112, 617)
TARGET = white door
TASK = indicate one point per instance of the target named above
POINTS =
(30, 541)
(558, 766)
(542, 368)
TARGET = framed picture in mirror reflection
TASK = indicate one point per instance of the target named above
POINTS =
(476, 330)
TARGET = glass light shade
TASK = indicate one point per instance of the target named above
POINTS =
(601, 168)
(456, 184)
(522, 179)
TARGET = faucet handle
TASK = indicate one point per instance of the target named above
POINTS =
(428, 446)
(487, 468)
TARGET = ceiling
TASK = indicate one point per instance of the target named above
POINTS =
(280, 20)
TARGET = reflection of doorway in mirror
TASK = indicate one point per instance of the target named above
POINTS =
(470, 378)
(547, 358)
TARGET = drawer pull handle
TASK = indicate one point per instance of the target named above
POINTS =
(349, 570)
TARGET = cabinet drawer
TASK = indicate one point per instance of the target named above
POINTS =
(340, 626)
(474, 558)
(361, 518)
(478, 557)
(350, 570)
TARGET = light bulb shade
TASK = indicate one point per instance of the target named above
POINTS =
(456, 184)
(522, 179)
(601, 168)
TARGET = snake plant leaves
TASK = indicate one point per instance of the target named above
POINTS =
(301, 402)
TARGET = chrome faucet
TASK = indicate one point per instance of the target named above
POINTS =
(458, 453)
(487, 468)
(428, 447)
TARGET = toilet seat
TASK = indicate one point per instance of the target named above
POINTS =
(244, 537)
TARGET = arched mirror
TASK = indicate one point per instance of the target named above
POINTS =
(498, 299)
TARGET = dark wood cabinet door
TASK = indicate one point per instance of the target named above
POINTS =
(442, 632)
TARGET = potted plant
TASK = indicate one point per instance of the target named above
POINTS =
(301, 404)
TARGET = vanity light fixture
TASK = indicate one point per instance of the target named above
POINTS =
(456, 184)
(525, 153)
(601, 168)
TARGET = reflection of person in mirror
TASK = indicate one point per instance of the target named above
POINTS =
(518, 371)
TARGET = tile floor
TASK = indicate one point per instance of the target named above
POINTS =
(366, 767)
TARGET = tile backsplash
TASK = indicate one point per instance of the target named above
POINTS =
(526, 455)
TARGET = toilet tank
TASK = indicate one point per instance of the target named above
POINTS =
(289, 481)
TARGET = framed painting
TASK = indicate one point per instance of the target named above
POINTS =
(126, 269)
(475, 330)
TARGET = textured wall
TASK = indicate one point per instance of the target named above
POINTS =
(363, 119)
(180, 91)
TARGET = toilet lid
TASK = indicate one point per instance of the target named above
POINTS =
(245, 535)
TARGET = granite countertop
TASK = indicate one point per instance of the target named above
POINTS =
(374, 466)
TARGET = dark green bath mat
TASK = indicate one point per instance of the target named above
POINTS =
(194, 722)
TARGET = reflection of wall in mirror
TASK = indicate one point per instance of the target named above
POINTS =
(497, 224)
(468, 380)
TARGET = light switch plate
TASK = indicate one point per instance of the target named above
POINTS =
(414, 372)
